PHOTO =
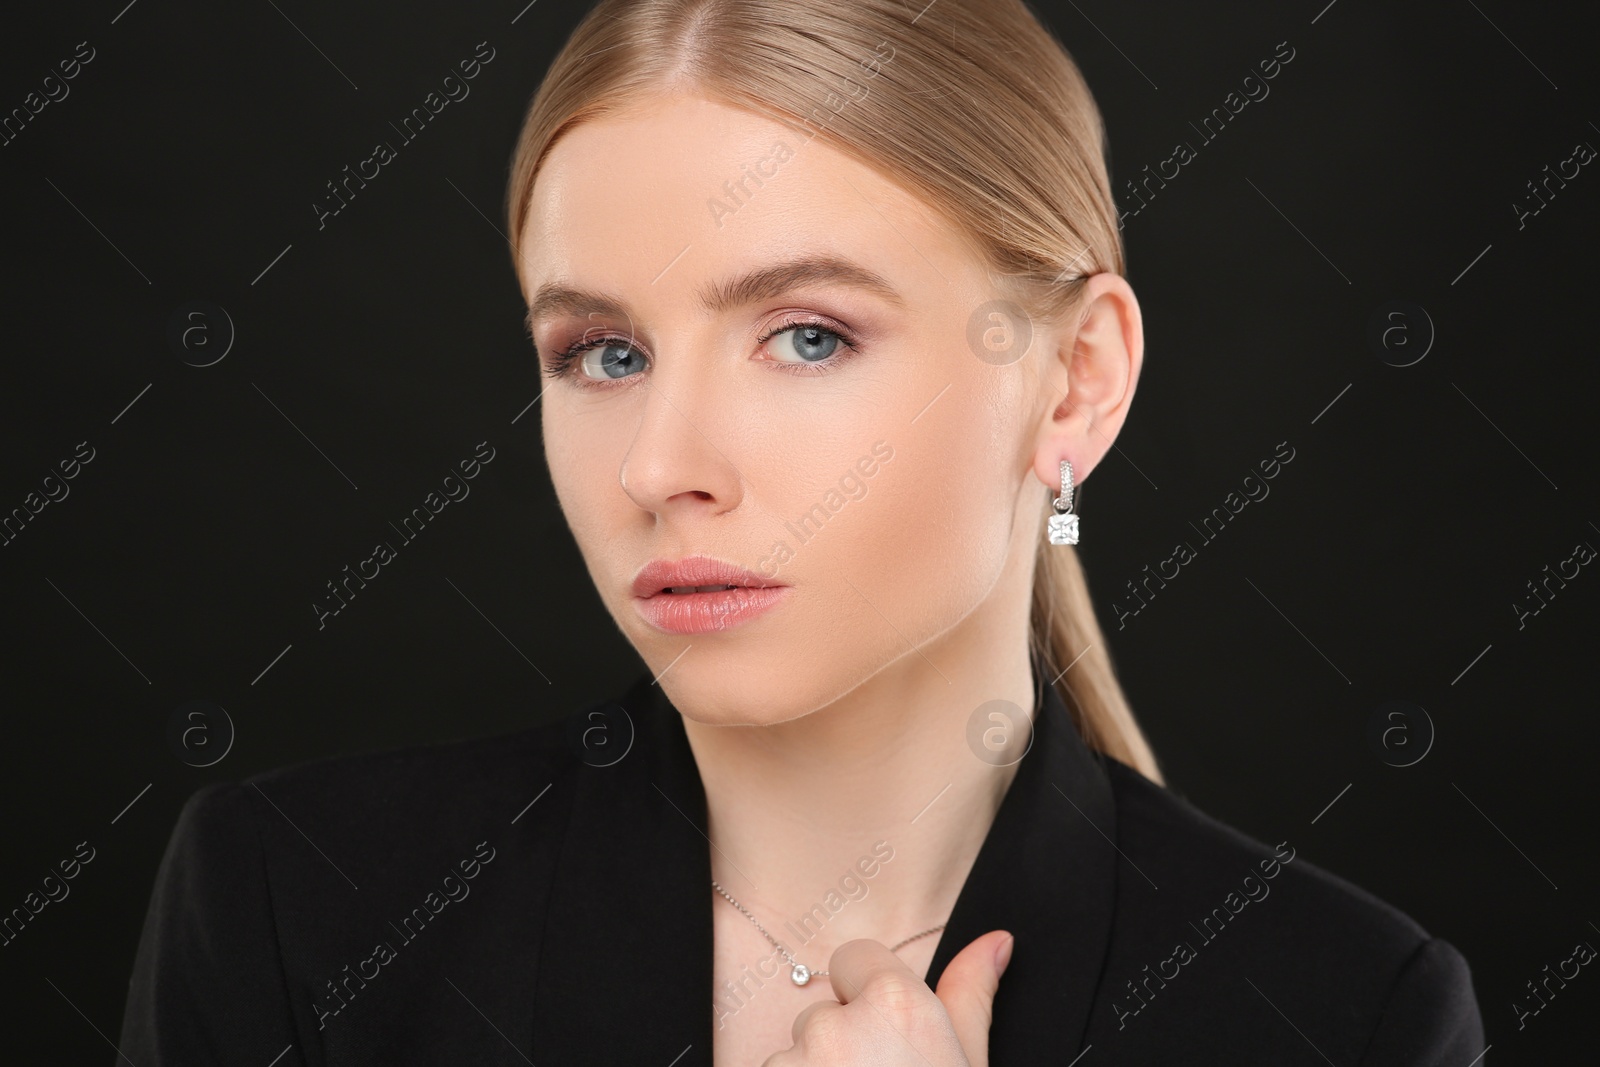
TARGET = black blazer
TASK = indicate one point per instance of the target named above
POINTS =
(543, 897)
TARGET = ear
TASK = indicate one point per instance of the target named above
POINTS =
(1086, 385)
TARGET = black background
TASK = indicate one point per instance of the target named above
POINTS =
(378, 351)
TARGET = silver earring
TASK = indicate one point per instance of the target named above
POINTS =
(1064, 523)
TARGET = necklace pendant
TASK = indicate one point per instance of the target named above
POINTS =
(801, 974)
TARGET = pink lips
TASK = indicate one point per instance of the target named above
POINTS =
(702, 609)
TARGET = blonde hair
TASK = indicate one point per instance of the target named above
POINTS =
(974, 105)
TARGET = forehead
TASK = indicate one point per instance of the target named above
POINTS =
(687, 190)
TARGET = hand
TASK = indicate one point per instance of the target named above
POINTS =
(887, 1016)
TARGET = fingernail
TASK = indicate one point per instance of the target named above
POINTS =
(1002, 958)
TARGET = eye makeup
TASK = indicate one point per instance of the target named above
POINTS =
(571, 360)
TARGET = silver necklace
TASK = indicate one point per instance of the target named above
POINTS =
(801, 974)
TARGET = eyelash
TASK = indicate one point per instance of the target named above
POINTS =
(564, 364)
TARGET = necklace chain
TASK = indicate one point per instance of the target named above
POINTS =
(800, 973)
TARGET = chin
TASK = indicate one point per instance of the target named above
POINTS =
(734, 687)
(753, 684)
(764, 672)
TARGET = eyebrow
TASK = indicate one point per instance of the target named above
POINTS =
(760, 284)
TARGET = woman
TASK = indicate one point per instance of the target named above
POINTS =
(828, 298)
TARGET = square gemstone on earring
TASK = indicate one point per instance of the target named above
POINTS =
(1064, 529)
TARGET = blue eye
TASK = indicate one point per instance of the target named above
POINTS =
(609, 359)
(812, 342)
(595, 359)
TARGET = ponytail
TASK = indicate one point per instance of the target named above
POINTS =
(1065, 631)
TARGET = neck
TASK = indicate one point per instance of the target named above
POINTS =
(881, 780)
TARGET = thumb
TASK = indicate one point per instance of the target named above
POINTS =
(967, 988)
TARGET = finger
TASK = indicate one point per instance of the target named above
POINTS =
(807, 1016)
(857, 964)
(967, 989)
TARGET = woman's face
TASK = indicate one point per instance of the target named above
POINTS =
(780, 378)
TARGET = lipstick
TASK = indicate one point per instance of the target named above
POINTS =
(702, 594)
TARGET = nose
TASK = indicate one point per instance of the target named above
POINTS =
(675, 466)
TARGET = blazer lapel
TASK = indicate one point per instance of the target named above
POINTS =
(624, 971)
(1047, 872)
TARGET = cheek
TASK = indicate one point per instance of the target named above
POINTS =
(954, 517)
(930, 538)
(583, 472)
